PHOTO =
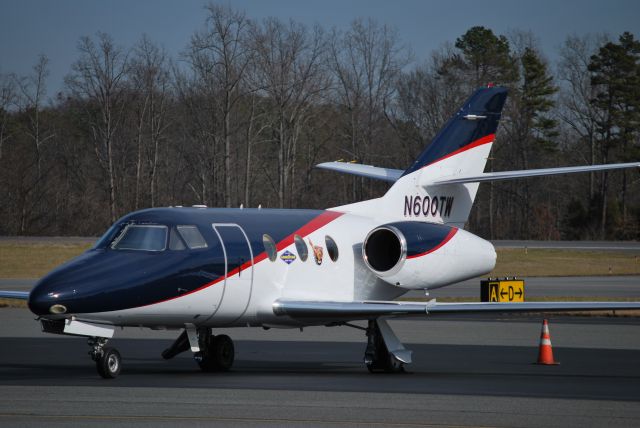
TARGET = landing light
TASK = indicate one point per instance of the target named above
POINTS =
(58, 309)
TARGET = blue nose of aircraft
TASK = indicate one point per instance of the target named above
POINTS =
(39, 301)
(59, 292)
(50, 297)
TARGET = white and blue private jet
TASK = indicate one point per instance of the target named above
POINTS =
(198, 269)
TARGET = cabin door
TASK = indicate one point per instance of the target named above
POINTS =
(239, 272)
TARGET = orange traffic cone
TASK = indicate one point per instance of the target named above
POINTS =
(545, 353)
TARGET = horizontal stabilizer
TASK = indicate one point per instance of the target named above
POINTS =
(512, 175)
(369, 171)
(373, 309)
(18, 295)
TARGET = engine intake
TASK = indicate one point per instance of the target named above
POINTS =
(384, 249)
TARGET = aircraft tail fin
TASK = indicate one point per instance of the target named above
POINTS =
(472, 127)
(461, 148)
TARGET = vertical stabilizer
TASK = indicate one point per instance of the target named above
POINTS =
(461, 148)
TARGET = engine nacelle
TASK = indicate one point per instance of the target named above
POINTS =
(416, 255)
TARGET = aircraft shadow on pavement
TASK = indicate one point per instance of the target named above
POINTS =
(335, 366)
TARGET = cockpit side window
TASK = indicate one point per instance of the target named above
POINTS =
(142, 237)
(175, 241)
(192, 237)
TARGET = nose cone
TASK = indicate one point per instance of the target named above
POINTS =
(58, 292)
(48, 298)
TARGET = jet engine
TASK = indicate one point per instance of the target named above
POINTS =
(417, 255)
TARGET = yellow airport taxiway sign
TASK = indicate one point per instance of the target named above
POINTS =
(502, 290)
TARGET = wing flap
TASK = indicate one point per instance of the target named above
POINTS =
(18, 295)
(350, 310)
(371, 309)
(513, 175)
(369, 171)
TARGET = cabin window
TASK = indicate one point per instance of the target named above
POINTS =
(270, 247)
(142, 237)
(192, 237)
(301, 247)
(332, 248)
(175, 242)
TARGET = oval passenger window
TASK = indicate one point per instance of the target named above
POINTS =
(301, 247)
(270, 247)
(332, 248)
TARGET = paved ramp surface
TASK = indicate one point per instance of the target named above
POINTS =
(466, 372)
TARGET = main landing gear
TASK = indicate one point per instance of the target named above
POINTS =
(108, 360)
(216, 352)
(384, 351)
(212, 353)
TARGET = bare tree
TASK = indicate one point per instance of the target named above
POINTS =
(366, 62)
(577, 112)
(219, 56)
(32, 94)
(7, 100)
(152, 81)
(98, 80)
(290, 72)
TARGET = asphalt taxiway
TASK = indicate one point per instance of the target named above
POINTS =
(468, 371)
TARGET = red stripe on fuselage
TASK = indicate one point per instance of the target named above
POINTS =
(323, 219)
(444, 241)
(479, 142)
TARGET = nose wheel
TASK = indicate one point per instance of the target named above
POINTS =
(108, 360)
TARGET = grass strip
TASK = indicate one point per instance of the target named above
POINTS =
(35, 260)
(549, 262)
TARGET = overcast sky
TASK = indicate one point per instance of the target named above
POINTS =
(32, 27)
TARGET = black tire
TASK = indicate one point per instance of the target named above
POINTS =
(109, 363)
(224, 352)
(393, 365)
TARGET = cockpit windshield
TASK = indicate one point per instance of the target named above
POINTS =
(142, 237)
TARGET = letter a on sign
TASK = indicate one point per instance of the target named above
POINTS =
(493, 292)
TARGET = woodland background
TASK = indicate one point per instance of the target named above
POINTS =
(247, 109)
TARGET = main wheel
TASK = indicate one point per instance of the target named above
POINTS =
(109, 363)
(224, 352)
(394, 365)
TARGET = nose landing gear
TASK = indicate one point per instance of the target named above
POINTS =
(108, 360)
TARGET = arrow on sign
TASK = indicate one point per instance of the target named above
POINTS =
(519, 293)
(502, 293)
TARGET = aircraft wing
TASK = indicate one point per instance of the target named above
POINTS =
(18, 295)
(372, 309)
(369, 171)
(512, 175)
